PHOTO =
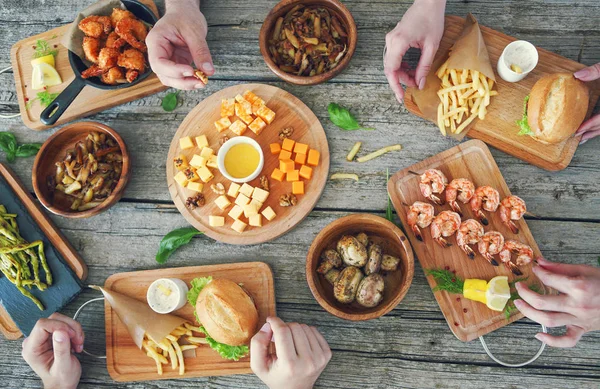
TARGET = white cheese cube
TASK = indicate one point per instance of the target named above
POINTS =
(235, 212)
(250, 210)
(260, 194)
(234, 189)
(195, 186)
(201, 142)
(255, 220)
(256, 203)
(206, 152)
(247, 190)
(212, 162)
(268, 213)
(205, 174)
(197, 161)
(242, 200)
(216, 221)
(186, 143)
(222, 202)
(239, 226)
(181, 178)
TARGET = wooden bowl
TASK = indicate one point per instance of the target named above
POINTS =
(54, 150)
(283, 7)
(393, 241)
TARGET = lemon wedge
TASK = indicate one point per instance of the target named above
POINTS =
(44, 75)
(49, 59)
(475, 290)
(497, 293)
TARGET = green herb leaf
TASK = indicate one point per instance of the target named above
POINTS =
(42, 49)
(174, 240)
(389, 212)
(598, 261)
(46, 98)
(514, 295)
(28, 150)
(197, 285)
(446, 280)
(169, 102)
(8, 144)
(233, 353)
(524, 123)
(342, 118)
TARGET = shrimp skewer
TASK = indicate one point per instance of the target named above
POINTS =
(419, 215)
(445, 224)
(524, 255)
(469, 232)
(433, 182)
(459, 189)
(512, 209)
(487, 198)
(491, 243)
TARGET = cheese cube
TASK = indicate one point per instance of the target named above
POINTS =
(260, 194)
(277, 175)
(216, 221)
(181, 179)
(195, 186)
(285, 155)
(186, 143)
(238, 127)
(252, 98)
(205, 174)
(222, 202)
(181, 162)
(242, 112)
(227, 107)
(275, 148)
(191, 174)
(198, 161)
(266, 114)
(268, 213)
(201, 141)
(301, 148)
(242, 200)
(288, 144)
(300, 158)
(306, 172)
(256, 106)
(293, 175)
(222, 124)
(206, 152)
(244, 104)
(247, 190)
(257, 126)
(287, 165)
(235, 212)
(257, 203)
(212, 162)
(239, 226)
(298, 187)
(255, 220)
(313, 157)
(233, 190)
(250, 210)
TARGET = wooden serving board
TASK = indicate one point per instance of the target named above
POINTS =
(8, 328)
(90, 101)
(499, 129)
(290, 112)
(126, 363)
(472, 160)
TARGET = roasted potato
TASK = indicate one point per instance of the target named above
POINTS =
(370, 290)
(375, 254)
(332, 275)
(363, 238)
(329, 259)
(352, 251)
(346, 285)
(389, 263)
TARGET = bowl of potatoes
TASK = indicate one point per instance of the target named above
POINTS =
(360, 267)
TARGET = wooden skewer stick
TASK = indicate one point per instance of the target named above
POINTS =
(532, 215)
(413, 172)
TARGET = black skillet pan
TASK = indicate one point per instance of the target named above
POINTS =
(54, 111)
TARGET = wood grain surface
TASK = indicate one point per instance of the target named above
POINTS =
(290, 112)
(127, 363)
(499, 129)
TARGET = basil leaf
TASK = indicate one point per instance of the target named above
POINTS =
(342, 118)
(8, 142)
(174, 240)
(169, 102)
(28, 150)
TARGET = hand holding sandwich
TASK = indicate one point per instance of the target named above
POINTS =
(591, 127)
(302, 354)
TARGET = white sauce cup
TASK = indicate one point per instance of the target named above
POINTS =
(167, 304)
(228, 145)
(520, 53)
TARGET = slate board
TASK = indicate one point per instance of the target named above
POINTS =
(66, 285)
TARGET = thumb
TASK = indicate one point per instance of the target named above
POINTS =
(590, 73)
(201, 55)
(424, 66)
(259, 349)
(61, 343)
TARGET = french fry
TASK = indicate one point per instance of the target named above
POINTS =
(193, 339)
(179, 356)
(344, 176)
(464, 124)
(188, 347)
(464, 76)
(379, 153)
(159, 369)
(440, 119)
(442, 69)
(454, 76)
(455, 112)
(353, 151)
(456, 87)
(192, 328)
(172, 356)
(475, 75)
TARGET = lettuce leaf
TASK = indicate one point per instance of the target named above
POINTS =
(197, 285)
(523, 123)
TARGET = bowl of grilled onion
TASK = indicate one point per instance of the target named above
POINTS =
(81, 170)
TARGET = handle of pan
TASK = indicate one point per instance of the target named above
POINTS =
(77, 315)
(495, 359)
(54, 111)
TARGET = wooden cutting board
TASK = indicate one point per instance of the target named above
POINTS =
(290, 112)
(90, 101)
(472, 160)
(30, 212)
(499, 129)
(126, 363)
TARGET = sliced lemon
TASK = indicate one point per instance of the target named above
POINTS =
(44, 75)
(475, 290)
(49, 59)
(498, 293)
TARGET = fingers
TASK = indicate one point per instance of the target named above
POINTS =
(284, 342)
(589, 135)
(562, 268)
(312, 339)
(259, 349)
(538, 301)
(322, 342)
(591, 124)
(79, 338)
(589, 74)
(393, 66)
(549, 319)
(300, 340)
(61, 343)
(160, 52)
(569, 339)
(188, 83)
(37, 340)
(424, 66)
(201, 55)
(558, 281)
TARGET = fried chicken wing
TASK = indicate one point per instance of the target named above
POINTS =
(95, 26)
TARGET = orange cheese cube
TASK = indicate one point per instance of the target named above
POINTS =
(252, 98)
(298, 187)
(286, 165)
(227, 107)
(265, 114)
(238, 127)
(293, 175)
(313, 157)
(257, 125)
(276, 175)
(275, 148)
(300, 158)
(256, 106)
(223, 124)
(306, 172)
(301, 148)
(288, 144)
(284, 155)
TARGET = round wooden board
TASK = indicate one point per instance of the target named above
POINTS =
(290, 112)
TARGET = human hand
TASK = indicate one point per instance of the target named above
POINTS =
(422, 27)
(591, 127)
(177, 40)
(302, 354)
(48, 350)
(577, 306)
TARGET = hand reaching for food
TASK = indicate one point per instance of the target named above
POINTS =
(49, 351)
(302, 354)
(422, 27)
(577, 306)
(591, 127)
(177, 40)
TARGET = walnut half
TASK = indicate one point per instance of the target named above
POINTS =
(264, 183)
(288, 200)
(195, 201)
(286, 133)
(218, 188)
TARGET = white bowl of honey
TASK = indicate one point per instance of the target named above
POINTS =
(240, 159)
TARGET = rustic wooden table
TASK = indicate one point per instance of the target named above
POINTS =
(410, 347)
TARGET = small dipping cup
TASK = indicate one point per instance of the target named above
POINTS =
(520, 53)
(227, 146)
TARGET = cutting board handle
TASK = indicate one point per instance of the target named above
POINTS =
(54, 111)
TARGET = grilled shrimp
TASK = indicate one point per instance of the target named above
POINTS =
(133, 31)
(114, 76)
(459, 189)
(95, 26)
(118, 14)
(92, 71)
(108, 58)
(91, 48)
(512, 208)
(114, 41)
(469, 232)
(487, 198)
(433, 181)
(445, 224)
(419, 215)
(524, 255)
(132, 59)
(491, 243)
